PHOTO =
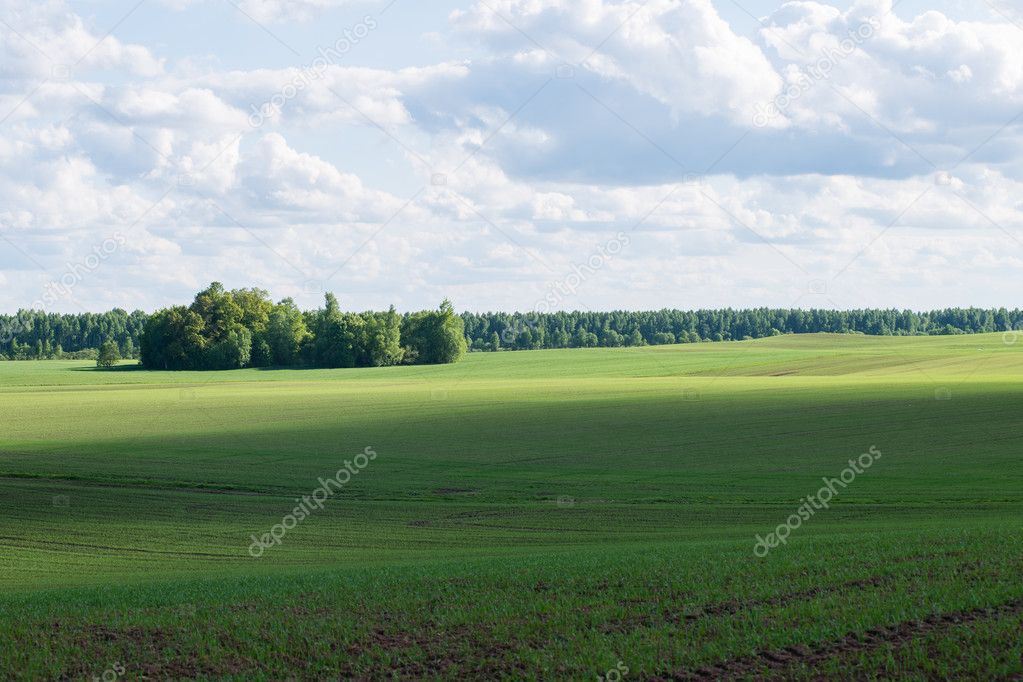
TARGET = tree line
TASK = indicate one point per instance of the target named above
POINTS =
(244, 328)
(525, 331)
(37, 335)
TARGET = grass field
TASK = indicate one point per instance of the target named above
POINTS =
(538, 515)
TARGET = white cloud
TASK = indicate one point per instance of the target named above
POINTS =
(928, 73)
(45, 40)
(680, 53)
(279, 178)
(857, 91)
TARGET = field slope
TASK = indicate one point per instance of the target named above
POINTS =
(536, 515)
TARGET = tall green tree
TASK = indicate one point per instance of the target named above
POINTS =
(173, 339)
(286, 333)
(255, 306)
(109, 355)
(231, 352)
(434, 336)
(219, 311)
(381, 339)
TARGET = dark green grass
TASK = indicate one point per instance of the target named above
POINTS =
(529, 515)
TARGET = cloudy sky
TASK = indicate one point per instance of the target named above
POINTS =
(590, 154)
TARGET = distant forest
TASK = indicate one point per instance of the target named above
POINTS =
(371, 339)
(524, 331)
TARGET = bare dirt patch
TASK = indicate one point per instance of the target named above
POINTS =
(460, 650)
(149, 653)
(775, 662)
(733, 606)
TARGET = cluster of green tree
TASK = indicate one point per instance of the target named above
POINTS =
(36, 335)
(524, 331)
(243, 328)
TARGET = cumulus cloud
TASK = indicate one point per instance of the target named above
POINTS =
(279, 178)
(920, 75)
(45, 40)
(680, 53)
(315, 94)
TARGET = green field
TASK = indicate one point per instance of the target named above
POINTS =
(534, 515)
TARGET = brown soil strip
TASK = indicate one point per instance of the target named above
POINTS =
(776, 661)
(733, 606)
(464, 651)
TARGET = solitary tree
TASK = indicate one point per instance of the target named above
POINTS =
(108, 354)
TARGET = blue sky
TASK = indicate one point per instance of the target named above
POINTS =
(751, 153)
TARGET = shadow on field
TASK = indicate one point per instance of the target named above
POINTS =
(136, 367)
